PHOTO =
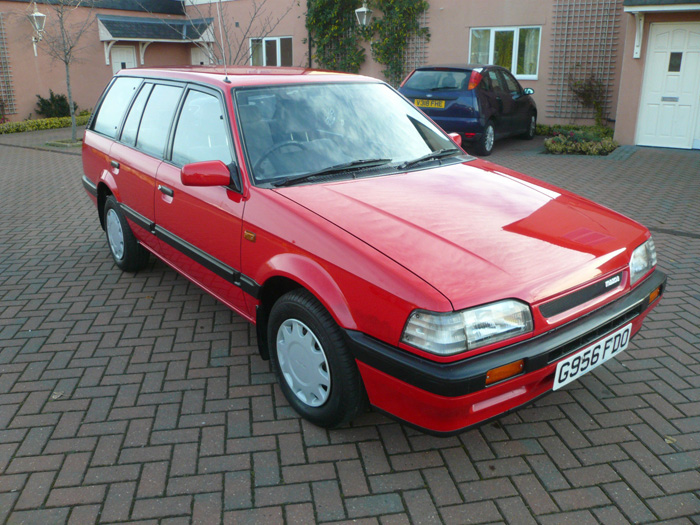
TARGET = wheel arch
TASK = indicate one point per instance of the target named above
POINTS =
(289, 272)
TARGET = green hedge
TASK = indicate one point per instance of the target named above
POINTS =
(44, 123)
(580, 143)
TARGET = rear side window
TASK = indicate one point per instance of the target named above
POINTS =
(432, 80)
(114, 105)
(201, 131)
(156, 120)
(131, 126)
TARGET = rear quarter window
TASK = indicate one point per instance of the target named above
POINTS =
(114, 105)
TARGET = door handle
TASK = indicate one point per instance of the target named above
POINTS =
(114, 164)
(165, 190)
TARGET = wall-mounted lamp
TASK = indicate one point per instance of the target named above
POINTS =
(38, 21)
(364, 15)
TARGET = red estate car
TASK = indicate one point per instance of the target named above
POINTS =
(379, 262)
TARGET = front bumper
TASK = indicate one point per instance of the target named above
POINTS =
(448, 397)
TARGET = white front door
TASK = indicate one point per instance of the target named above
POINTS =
(123, 57)
(199, 57)
(670, 102)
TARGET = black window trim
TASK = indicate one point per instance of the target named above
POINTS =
(219, 94)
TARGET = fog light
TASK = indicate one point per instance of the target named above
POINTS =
(504, 372)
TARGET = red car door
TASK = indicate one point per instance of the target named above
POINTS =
(200, 227)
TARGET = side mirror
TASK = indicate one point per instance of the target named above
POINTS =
(456, 138)
(207, 173)
(528, 91)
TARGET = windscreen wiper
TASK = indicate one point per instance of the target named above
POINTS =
(437, 154)
(338, 168)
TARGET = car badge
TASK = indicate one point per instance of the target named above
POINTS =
(613, 280)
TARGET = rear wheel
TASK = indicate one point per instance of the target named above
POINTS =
(127, 253)
(314, 368)
(484, 146)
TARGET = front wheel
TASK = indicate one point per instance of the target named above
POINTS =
(127, 253)
(531, 128)
(484, 146)
(314, 368)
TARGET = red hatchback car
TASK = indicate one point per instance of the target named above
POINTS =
(379, 262)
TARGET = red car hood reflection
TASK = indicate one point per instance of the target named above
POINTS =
(479, 235)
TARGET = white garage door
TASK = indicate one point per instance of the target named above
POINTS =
(668, 113)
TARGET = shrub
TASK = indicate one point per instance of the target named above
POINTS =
(54, 106)
(580, 143)
(44, 123)
(3, 117)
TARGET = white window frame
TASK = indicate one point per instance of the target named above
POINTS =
(516, 43)
(278, 40)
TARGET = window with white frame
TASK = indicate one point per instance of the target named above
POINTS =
(271, 51)
(515, 48)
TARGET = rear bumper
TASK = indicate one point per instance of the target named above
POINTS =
(445, 398)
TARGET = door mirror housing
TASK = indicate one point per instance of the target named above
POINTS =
(528, 91)
(207, 173)
(456, 138)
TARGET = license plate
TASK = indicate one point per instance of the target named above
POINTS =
(423, 103)
(585, 360)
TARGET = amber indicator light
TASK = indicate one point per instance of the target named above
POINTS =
(504, 372)
(654, 295)
(249, 236)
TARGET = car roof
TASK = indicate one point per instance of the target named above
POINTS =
(465, 67)
(234, 76)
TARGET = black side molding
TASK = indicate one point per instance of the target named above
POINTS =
(89, 186)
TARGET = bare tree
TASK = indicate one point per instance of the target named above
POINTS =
(62, 37)
(232, 38)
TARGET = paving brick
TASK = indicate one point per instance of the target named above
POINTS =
(283, 494)
(64, 497)
(352, 478)
(35, 490)
(168, 414)
(117, 505)
(373, 505)
(161, 507)
(327, 500)
(483, 512)
(269, 516)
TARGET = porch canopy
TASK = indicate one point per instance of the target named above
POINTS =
(639, 7)
(146, 30)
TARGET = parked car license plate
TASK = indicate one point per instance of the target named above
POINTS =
(592, 356)
(424, 103)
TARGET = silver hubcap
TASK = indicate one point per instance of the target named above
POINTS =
(303, 363)
(533, 126)
(115, 234)
(489, 138)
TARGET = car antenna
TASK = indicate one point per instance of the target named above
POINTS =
(221, 37)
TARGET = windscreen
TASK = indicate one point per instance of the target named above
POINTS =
(297, 129)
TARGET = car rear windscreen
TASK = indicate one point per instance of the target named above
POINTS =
(436, 80)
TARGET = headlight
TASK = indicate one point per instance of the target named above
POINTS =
(454, 332)
(643, 259)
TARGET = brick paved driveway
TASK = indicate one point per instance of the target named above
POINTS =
(140, 398)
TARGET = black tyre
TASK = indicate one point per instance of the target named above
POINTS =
(127, 253)
(484, 146)
(314, 368)
(531, 128)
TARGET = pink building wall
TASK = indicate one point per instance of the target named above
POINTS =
(90, 74)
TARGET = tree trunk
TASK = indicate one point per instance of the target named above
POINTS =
(73, 127)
